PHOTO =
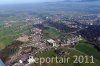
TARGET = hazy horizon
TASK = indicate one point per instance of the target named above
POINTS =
(25, 1)
(7, 2)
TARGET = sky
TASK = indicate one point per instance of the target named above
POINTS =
(1, 63)
(25, 1)
(34, 1)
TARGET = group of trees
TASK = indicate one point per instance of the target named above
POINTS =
(10, 50)
(92, 33)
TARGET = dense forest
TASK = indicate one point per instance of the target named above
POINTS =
(92, 34)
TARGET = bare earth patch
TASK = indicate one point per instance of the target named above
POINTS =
(23, 38)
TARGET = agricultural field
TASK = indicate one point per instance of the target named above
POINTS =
(51, 32)
(88, 49)
(9, 34)
(51, 53)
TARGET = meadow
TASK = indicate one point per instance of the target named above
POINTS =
(51, 53)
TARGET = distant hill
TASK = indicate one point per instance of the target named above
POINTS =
(81, 0)
(89, 0)
(64, 6)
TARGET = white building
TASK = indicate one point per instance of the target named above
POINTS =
(51, 41)
(28, 60)
(80, 37)
(31, 60)
(20, 61)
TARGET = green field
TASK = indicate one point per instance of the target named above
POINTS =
(88, 49)
(51, 32)
(51, 53)
(7, 35)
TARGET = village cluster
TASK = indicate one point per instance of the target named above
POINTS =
(34, 44)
